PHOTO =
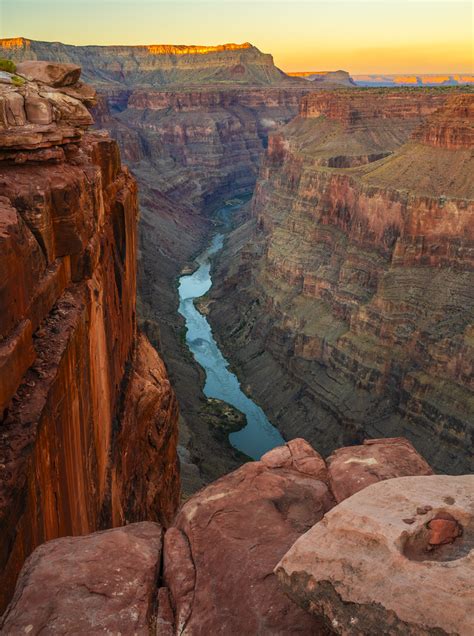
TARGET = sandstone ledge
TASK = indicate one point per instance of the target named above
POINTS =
(375, 564)
(217, 573)
(100, 583)
(42, 111)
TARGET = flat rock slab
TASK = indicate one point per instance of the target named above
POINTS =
(102, 583)
(219, 557)
(353, 468)
(395, 558)
(52, 73)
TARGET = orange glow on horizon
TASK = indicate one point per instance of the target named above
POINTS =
(438, 58)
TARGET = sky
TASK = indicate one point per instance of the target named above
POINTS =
(371, 36)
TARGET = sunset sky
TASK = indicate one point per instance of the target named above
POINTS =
(406, 36)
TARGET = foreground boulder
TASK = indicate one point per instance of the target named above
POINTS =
(355, 467)
(395, 558)
(100, 583)
(219, 557)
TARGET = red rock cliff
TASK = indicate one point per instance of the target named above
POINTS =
(352, 291)
(88, 417)
(193, 128)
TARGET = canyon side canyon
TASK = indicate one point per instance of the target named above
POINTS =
(343, 299)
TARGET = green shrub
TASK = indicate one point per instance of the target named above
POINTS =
(7, 65)
(17, 81)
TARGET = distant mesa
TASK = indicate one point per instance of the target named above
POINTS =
(457, 79)
(154, 49)
(326, 78)
(342, 78)
(157, 65)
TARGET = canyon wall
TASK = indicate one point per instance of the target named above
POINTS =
(347, 301)
(192, 125)
(88, 417)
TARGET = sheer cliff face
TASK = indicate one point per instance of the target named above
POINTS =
(348, 298)
(192, 125)
(81, 394)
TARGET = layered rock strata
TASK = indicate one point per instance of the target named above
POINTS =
(80, 390)
(192, 123)
(361, 565)
(218, 557)
(156, 64)
(349, 295)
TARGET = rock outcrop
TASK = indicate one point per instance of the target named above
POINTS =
(377, 562)
(53, 74)
(352, 286)
(353, 468)
(219, 556)
(220, 552)
(80, 390)
(216, 575)
(104, 582)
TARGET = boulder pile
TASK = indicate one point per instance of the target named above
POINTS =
(368, 541)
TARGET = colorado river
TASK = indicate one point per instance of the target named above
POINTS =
(258, 436)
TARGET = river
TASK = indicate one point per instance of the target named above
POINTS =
(258, 436)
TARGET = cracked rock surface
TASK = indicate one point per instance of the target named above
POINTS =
(100, 583)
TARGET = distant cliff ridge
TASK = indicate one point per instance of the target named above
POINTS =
(158, 64)
(326, 78)
(440, 79)
(387, 80)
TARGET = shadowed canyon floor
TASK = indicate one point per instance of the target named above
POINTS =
(257, 436)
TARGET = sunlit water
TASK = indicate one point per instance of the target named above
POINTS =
(258, 436)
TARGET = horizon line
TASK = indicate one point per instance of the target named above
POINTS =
(234, 46)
